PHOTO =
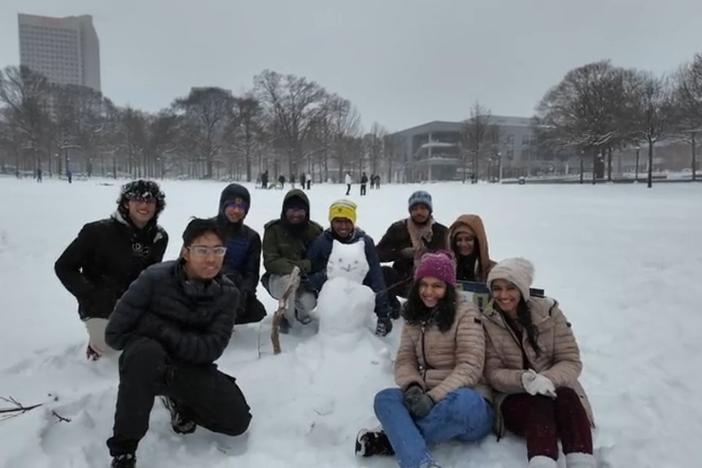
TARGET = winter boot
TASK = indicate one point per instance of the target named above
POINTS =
(369, 443)
(580, 460)
(126, 460)
(179, 422)
(541, 461)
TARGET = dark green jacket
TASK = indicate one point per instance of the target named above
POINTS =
(284, 248)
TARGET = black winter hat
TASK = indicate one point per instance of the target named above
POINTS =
(230, 193)
(147, 189)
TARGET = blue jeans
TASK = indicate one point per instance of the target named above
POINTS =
(463, 414)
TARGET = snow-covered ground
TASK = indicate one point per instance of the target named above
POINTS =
(624, 262)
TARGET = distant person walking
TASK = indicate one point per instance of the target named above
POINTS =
(309, 181)
(39, 174)
(348, 180)
(364, 181)
(264, 180)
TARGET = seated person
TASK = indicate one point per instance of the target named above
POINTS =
(285, 243)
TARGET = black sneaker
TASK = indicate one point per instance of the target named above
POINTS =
(179, 423)
(126, 460)
(369, 443)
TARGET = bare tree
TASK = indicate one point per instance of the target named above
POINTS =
(479, 133)
(24, 94)
(653, 113)
(291, 105)
(688, 104)
(245, 130)
(373, 142)
(206, 114)
(587, 112)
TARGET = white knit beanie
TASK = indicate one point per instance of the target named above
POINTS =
(518, 271)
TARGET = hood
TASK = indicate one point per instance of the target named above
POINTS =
(231, 192)
(475, 223)
(295, 193)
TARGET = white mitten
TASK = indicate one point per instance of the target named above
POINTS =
(535, 384)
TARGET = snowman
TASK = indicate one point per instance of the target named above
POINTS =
(345, 362)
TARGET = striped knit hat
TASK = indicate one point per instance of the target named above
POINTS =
(343, 209)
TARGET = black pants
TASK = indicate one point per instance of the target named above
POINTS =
(363, 189)
(348, 189)
(205, 395)
(253, 312)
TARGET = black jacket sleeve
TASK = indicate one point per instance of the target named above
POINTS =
(69, 264)
(374, 279)
(252, 269)
(160, 247)
(388, 248)
(201, 347)
(133, 304)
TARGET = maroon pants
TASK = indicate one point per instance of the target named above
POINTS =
(543, 420)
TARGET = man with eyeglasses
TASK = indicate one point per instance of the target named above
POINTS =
(173, 322)
(98, 266)
(285, 243)
(242, 261)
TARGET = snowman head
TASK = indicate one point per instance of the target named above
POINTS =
(348, 261)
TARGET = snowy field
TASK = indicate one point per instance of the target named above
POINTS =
(624, 262)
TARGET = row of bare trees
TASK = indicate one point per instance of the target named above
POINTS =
(599, 108)
(285, 123)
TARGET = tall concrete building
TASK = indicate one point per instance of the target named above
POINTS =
(65, 50)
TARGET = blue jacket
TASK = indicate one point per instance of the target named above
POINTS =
(318, 253)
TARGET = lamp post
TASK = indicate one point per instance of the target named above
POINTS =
(499, 166)
(638, 148)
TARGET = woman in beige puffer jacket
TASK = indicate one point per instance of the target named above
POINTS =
(533, 363)
(438, 370)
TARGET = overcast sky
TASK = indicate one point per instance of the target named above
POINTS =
(401, 62)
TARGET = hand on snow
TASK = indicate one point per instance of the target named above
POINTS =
(384, 326)
(537, 384)
(417, 402)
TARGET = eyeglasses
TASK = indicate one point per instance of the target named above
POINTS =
(204, 251)
(145, 198)
(237, 206)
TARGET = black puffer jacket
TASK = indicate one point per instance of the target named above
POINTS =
(397, 237)
(193, 320)
(98, 266)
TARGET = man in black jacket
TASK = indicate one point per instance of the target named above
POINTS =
(405, 242)
(173, 322)
(98, 266)
(242, 261)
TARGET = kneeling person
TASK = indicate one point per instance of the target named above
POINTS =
(173, 322)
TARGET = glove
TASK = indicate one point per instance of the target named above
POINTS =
(407, 252)
(417, 402)
(383, 327)
(535, 384)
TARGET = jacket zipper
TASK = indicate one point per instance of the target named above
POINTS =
(424, 355)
